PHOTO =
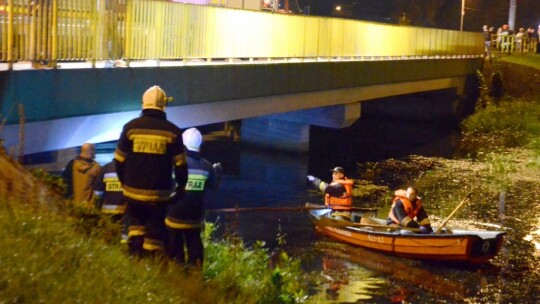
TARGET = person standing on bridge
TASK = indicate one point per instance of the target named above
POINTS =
(407, 211)
(149, 148)
(338, 194)
(80, 175)
(185, 218)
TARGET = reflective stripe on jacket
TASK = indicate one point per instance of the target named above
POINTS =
(109, 189)
(148, 149)
(187, 213)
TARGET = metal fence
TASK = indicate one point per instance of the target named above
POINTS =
(513, 44)
(90, 30)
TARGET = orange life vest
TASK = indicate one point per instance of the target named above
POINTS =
(411, 213)
(343, 202)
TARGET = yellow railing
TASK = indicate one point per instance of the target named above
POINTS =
(513, 44)
(64, 30)
(61, 30)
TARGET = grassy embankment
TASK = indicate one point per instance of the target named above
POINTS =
(52, 253)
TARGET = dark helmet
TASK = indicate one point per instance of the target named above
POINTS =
(338, 169)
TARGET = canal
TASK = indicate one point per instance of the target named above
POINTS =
(342, 273)
(347, 274)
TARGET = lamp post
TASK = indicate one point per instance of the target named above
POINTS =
(462, 14)
(512, 14)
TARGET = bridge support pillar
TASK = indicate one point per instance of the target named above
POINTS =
(275, 134)
(290, 131)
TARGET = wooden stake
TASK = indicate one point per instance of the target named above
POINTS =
(21, 133)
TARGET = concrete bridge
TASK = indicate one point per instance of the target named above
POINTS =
(277, 91)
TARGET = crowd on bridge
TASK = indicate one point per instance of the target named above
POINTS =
(505, 40)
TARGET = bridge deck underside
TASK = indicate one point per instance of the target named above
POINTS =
(99, 101)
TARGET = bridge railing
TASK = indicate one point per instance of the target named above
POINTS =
(513, 44)
(90, 30)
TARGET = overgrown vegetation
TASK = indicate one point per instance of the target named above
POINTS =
(54, 182)
(76, 256)
(512, 123)
(52, 259)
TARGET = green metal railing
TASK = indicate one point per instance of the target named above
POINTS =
(82, 30)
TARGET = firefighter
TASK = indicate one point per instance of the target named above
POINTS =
(338, 194)
(185, 218)
(148, 150)
(109, 197)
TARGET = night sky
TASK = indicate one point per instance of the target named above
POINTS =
(430, 13)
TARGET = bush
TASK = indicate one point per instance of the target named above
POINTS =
(497, 127)
(270, 278)
(78, 258)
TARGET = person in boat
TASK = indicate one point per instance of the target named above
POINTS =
(338, 193)
(407, 211)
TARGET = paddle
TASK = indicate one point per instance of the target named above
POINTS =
(465, 200)
(339, 223)
(271, 209)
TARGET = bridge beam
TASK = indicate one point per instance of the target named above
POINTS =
(69, 132)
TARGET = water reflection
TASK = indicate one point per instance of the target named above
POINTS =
(400, 273)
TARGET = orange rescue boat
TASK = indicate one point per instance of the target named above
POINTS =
(450, 245)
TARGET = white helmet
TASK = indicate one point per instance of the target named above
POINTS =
(154, 98)
(192, 139)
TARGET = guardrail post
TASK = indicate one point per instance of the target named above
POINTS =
(54, 34)
(127, 41)
(10, 35)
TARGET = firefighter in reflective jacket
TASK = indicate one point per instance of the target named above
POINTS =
(338, 194)
(108, 191)
(185, 218)
(407, 211)
(148, 150)
(109, 197)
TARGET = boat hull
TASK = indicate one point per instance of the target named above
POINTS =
(460, 245)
